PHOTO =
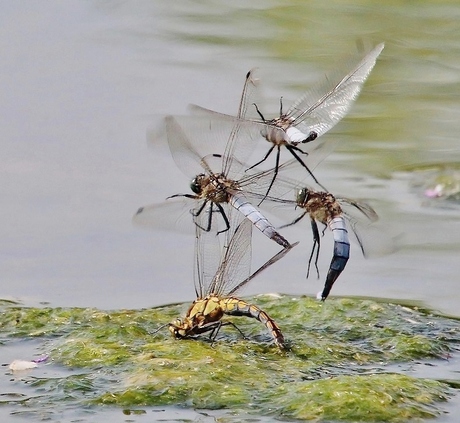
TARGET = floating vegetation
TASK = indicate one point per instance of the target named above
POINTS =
(336, 367)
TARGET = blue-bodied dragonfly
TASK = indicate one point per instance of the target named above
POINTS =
(223, 181)
(339, 214)
(310, 116)
(217, 282)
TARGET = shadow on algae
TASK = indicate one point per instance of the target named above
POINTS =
(336, 367)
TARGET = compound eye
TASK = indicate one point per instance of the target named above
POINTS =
(195, 185)
(302, 196)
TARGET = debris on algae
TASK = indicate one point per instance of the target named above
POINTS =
(336, 367)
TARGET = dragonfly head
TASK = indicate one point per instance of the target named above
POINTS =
(196, 184)
(178, 328)
(302, 196)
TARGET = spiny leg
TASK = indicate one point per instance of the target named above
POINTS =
(218, 325)
(297, 219)
(265, 158)
(200, 210)
(224, 216)
(275, 174)
(259, 112)
(193, 197)
(316, 245)
(293, 150)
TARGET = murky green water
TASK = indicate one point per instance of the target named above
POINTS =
(82, 82)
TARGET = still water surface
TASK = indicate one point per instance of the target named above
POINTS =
(83, 82)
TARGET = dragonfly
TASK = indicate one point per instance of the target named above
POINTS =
(310, 116)
(340, 214)
(216, 289)
(222, 183)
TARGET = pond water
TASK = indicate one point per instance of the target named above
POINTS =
(84, 82)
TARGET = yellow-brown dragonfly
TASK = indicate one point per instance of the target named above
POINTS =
(215, 289)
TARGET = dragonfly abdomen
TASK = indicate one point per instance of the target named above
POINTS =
(236, 307)
(341, 253)
(258, 220)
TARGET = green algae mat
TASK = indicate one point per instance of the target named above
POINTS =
(340, 364)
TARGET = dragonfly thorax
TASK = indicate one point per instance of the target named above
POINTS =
(322, 206)
(213, 187)
(202, 312)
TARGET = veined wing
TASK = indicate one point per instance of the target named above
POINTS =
(222, 262)
(184, 153)
(191, 138)
(174, 214)
(290, 176)
(181, 215)
(321, 107)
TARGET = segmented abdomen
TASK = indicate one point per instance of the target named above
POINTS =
(255, 216)
(236, 307)
(341, 253)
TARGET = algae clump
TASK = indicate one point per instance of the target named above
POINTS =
(338, 365)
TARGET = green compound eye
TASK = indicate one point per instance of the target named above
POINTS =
(302, 196)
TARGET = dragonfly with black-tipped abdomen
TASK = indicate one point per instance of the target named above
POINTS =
(310, 116)
(323, 207)
(217, 282)
(343, 216)
(222, 183)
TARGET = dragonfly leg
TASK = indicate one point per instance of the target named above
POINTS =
(224, 216)
(292, 150)
(193, 197)
(316, 246)
(265, 158)
(218, 325)
(259, 112)
(198, 212)
(275, 174)
(297, 219)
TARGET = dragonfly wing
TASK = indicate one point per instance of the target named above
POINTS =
(236, 260)
(207, 258)
(320, 108)
(256, 182)
(358, 210)
(374, 238)
(242, 138)
(171, 215)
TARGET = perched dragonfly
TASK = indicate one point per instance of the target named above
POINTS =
(310, 116)
(339, 214)
(222, 184)
(215, 289)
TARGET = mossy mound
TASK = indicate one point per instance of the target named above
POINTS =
(334, 369)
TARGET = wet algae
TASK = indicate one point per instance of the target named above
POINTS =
(336, 366)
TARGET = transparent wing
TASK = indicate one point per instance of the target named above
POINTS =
(236, 260)
(374, 239)
(321, 107)
(211, 272)
(180, 132)
(207, 258)
(256, 182)
(358, 210)
(183, 214)
(191, 138)
(172, 215)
